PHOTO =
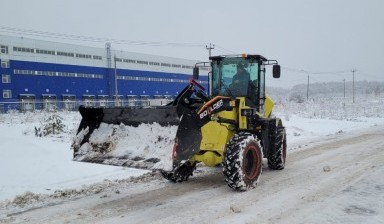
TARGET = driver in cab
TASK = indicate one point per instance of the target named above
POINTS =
(240, 80)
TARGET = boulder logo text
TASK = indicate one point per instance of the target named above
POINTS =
(209, 110)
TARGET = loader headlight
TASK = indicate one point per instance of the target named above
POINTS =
(247, 112)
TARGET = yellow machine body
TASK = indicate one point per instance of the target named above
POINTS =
(214, 138)
(216, 135)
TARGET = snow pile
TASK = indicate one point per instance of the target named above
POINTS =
(147, 146)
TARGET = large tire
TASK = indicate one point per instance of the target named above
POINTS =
(278, 153)
(242, 165)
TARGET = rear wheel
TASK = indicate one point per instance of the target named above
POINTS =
(242, 162)
(278, 153)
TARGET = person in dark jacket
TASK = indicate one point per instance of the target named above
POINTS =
(240, 81)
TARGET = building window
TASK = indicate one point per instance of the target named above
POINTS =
(154, 63)
(40, 51)
(6, 78)
(23, 72)
(7, 94)
(129, 61)
(67, 54)
(83, 56)
(3, 49)
(97, 57)
(5, 64)
(24, 49)
(142, 62)
(165, 64)
(52, 73)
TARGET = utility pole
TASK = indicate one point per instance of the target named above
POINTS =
(308, 88)
(344, 88)
(116, 91)
(353, 85)
(110, 74)
(209, 48)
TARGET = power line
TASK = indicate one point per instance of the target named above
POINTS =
(94, 39)
(340, 73)
(331, 73)
(224, 50)
(295, 70)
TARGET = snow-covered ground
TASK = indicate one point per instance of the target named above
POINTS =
(44, 164)
(31, 165)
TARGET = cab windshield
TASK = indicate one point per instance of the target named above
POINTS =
(235, 77)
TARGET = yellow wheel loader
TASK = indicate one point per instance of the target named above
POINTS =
(230, 125)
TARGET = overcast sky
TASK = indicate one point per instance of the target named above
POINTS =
(325, 38)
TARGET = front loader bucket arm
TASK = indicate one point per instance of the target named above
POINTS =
(188, 138)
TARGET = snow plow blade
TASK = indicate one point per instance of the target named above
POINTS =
(103, 132)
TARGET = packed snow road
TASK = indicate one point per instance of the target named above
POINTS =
(337, 180)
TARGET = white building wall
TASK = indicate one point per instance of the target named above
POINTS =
(125, 59)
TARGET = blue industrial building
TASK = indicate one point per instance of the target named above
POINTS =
(38, 74)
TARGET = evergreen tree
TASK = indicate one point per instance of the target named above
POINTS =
(53, 125)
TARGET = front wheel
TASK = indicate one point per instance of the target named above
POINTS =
(242, 162)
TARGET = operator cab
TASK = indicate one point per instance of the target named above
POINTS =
(236, 76)
(240, 76)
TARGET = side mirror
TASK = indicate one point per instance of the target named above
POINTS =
(195, 73)
(276, 71)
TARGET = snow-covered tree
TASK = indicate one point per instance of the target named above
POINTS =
(53, 125)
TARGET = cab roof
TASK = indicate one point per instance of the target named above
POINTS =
(246, 56)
